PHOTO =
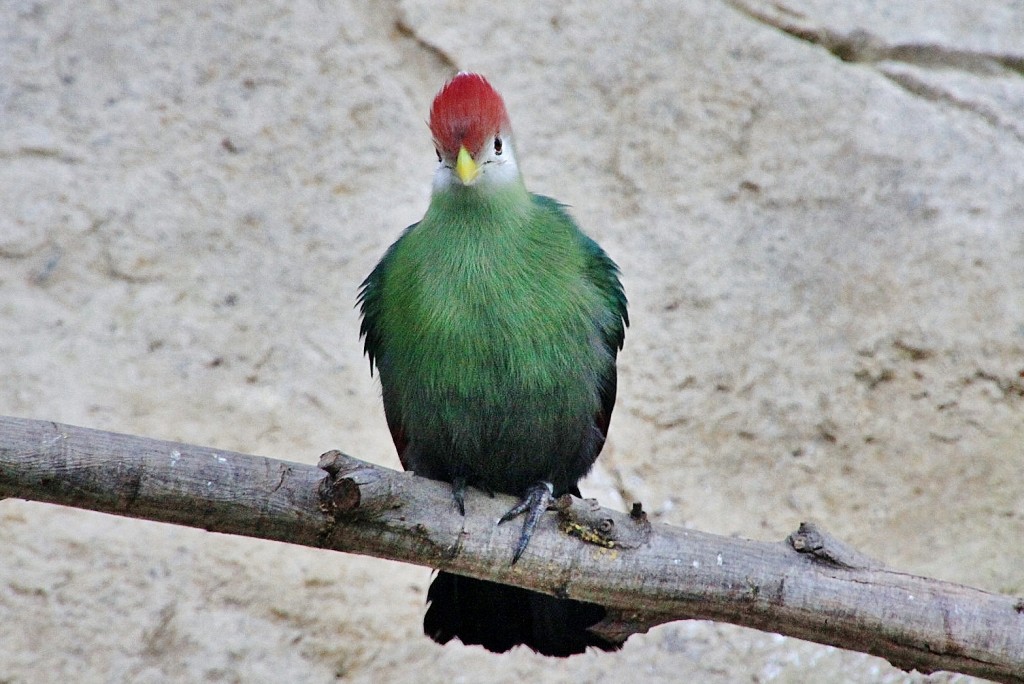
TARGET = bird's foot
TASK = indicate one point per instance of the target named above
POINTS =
(459, 494)
(537, 499)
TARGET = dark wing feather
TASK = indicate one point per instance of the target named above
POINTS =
(603, 273)
(371, 303)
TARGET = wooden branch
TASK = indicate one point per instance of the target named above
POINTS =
(809, 586)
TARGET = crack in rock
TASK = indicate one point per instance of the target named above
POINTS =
(863, 47)
(916, 85)
(406, 30)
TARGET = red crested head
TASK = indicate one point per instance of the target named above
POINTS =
(468, 113)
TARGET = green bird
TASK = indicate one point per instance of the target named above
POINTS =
(494, 324)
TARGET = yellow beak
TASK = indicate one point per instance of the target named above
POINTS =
(465, 167)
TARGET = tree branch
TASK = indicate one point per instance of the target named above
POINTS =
(810, 586)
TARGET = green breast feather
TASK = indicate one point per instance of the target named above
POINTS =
(468, 300)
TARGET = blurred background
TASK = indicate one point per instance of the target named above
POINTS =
(818, 209)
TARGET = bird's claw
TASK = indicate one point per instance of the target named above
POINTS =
(536, 501)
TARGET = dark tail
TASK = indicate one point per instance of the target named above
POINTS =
(499, 617)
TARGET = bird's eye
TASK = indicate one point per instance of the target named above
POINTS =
(497, 146)
(438, 153)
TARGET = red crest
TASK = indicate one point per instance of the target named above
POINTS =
(467, 112)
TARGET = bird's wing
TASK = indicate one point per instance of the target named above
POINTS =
(603, 273)
(370, 301)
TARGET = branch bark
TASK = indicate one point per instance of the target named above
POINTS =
(809, 586)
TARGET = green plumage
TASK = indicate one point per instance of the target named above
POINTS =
(494, 324)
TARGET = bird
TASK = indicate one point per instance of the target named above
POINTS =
(494, 324)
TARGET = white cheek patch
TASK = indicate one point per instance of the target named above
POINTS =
(495, 171)
(444, 178)
(501, 170)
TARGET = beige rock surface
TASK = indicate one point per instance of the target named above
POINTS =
(823, 259)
